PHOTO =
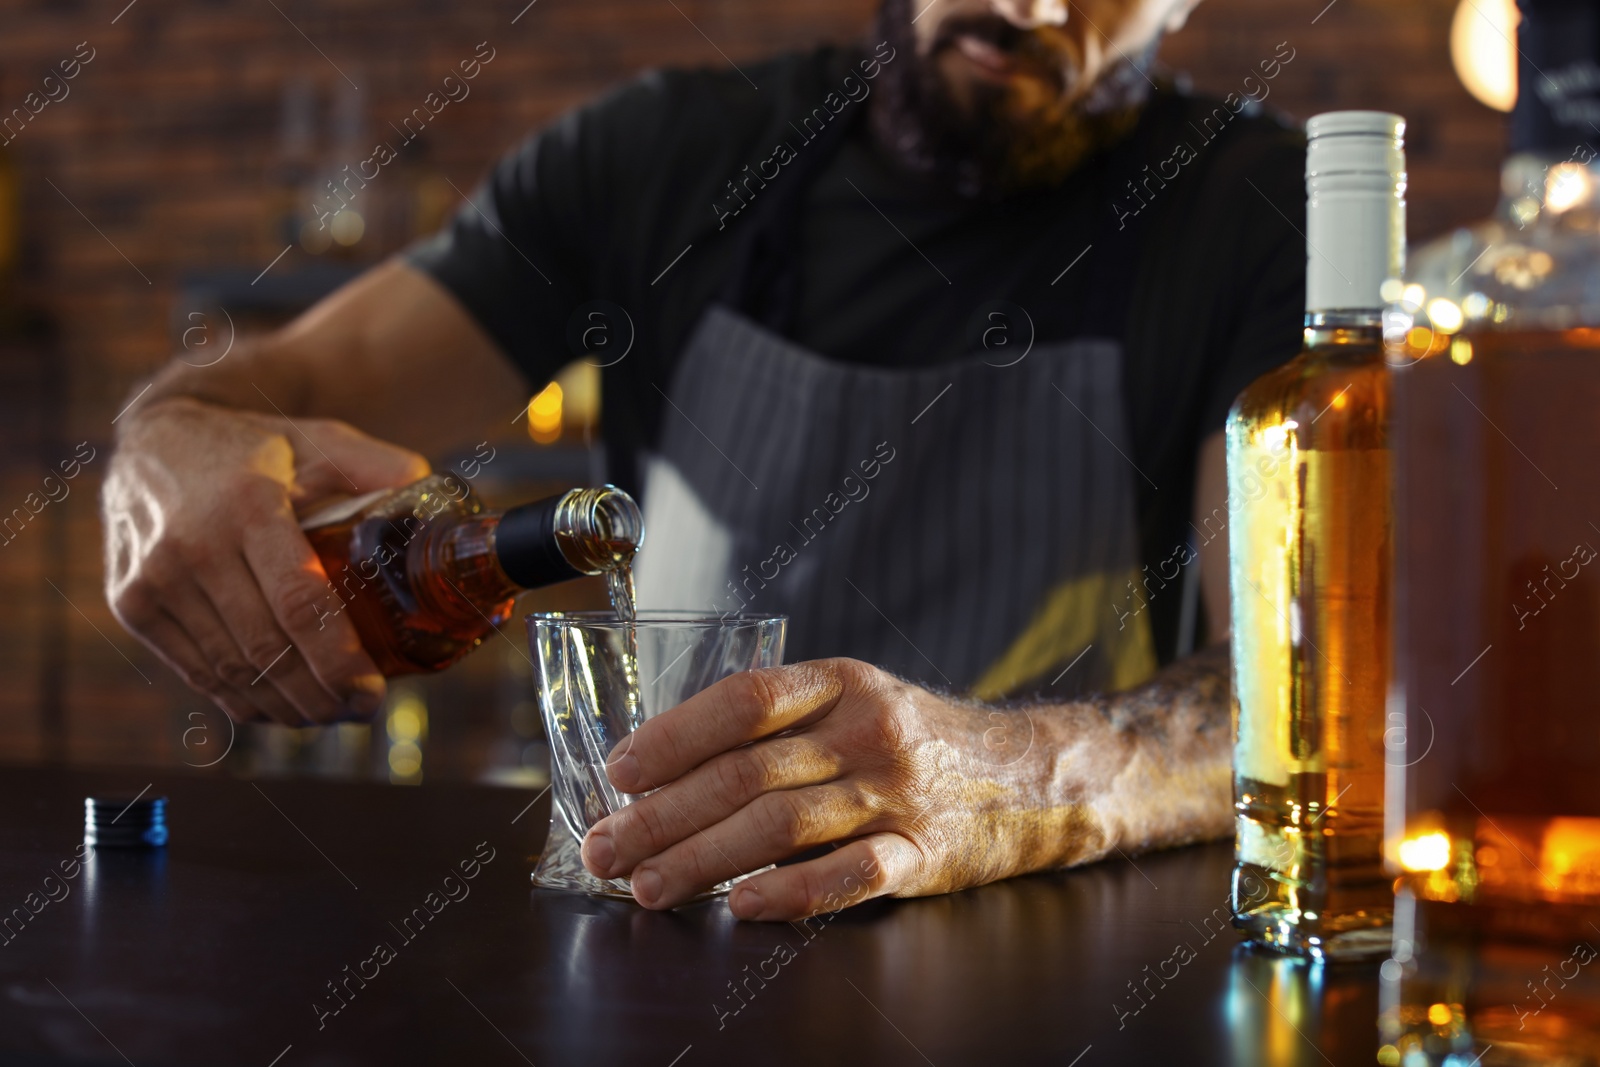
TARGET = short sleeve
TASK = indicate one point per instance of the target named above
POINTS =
(530, 242)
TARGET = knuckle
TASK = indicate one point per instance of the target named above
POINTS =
(890, 722)
(873, 869)
(855, 676)
(644, 821)
(757, 692)
(300, 603)
(235, 672)
(261, 649)
(662, 746)
(785, 820)
(252, 496)
(742, 775)
(814, 891)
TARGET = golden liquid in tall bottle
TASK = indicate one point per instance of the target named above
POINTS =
(1500, 644)
(1310, 548)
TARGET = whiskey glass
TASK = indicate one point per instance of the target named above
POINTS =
(599, 678)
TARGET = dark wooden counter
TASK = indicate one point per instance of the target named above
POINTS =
(219, 950)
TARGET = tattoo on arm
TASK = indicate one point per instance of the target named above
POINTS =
(1150, 767)
(1187, 697)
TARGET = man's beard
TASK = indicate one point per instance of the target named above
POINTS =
(997, 144)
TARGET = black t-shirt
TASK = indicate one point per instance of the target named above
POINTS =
(628, 200)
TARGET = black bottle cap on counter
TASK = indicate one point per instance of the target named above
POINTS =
(1558, 79)
(124, 822)
(526, 545)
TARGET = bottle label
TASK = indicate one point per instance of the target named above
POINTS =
(1558, 78)
(341, 510)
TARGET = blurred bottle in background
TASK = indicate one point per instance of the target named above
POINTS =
(1493, 815)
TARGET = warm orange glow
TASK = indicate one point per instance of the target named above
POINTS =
(1566, 186)
(1570, 857)
(1482, 48)
(1439, 1014)
(1425, 852)
(1445, 315)
(544, 415)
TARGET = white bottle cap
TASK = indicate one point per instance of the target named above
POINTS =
(1355, 208)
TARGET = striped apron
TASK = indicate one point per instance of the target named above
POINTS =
(969, 526)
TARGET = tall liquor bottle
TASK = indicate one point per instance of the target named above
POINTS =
(1494, 819)
(426, 573)
(1309, 571)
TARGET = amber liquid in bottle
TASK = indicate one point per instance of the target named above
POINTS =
(425, 573)
(1500, 630)
(1310, 578)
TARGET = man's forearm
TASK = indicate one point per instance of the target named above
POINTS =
(392, 354)
(247, 379)
(1148, 768)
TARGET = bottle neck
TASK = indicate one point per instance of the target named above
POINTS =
(585, 531)
(528, 547)
(1355, 236)
(1345, 328)
(1344, 319)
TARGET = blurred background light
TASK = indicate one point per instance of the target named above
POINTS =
(1483, 49)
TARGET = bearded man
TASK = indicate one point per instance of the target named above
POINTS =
(926, 343)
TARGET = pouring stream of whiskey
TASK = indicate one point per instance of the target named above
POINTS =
(619, 584)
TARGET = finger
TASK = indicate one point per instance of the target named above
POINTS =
(223, 666)
(296, 589)
(266, 648)
(740, 708)
(871, 866)
(704, 797)
(140, 606)
(773, 827)
(208, 659)
(169, 640)
(333, 456)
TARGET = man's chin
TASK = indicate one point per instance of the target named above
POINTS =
(993, 121)
(965, 76)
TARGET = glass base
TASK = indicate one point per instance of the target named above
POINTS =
(1286, 931)
(561, 868)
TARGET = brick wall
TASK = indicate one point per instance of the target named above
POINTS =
(1374, 54)
(171, 156)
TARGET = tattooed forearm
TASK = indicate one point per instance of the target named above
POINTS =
(1188, 696)
(1148, 768)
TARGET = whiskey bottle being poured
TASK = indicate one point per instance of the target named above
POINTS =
(427, 573)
